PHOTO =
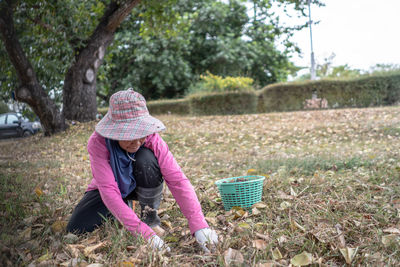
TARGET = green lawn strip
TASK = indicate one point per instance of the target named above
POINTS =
(326, 170)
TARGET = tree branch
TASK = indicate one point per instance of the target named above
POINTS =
(30, 91)
(120, 14)
(88, 60)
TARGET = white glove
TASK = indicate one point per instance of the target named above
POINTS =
(206, 236)
(157, 243)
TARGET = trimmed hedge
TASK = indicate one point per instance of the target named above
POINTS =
(223, 103)
(171, 106)
(360, 92)
(378, 90)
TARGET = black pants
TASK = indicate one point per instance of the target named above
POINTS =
(91, 211)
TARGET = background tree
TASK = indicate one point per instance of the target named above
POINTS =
(326, 69)
(62, 39)
(57, 47)
(29, 89)
(215, 36)
(385, 69)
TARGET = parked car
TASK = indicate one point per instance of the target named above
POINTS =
(13, 124)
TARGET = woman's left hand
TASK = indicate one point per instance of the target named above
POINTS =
(205, 237)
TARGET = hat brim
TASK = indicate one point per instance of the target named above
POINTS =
(134, 129)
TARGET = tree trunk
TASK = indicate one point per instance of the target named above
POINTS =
(79, 94)
(30, 91)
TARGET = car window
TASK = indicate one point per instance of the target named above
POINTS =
(3, 119)
(25, 119)
(11, 118)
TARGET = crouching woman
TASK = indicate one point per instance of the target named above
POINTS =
(130, 161)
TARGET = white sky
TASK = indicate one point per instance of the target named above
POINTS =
(361, 33)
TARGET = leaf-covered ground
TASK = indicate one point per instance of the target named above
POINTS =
(331, 194)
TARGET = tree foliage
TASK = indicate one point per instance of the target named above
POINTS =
(215, 36)
(161, 48)
(81, 32)
(49, 32)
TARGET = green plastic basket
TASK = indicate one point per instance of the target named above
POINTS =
(243, 194)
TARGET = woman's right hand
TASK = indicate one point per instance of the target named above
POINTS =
(157, 243)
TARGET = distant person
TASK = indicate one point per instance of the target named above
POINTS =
(130, 161)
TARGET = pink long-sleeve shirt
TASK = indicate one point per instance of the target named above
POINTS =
(177, 182)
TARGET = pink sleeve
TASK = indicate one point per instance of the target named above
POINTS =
(178, 183)
(108, 188)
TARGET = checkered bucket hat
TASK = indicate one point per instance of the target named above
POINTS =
(128, 118)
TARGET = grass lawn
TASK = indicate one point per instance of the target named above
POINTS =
(331, 193)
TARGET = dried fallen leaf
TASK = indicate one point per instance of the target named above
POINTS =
(391, 230)
(259, 244)
(44, 257)
(140, 253)
(187, 242)
(211, 220)
(260, 205)
(130, 248)
(73, 262)
(262, 236)
(255, 211)
(323, 232)
(238, 229)
(387, 240)
(348, 253)
(295, 225)
(75, 250)
(276, 254)
(171, 238)
(221, 218)
(251, 171)
(244, 225)
(282, 239)
(167, 224)
(91, 240)
(342, 241)
(158, 230)
(302, 259)
(59, 226)
(292, 192)
(239, 212)
(26, 234)
(283, 195)
(38, 191)
(134, 260)
(185, 232)
(233, 256)
(125, 264)
(89, 251)
(266, 264)
(285, 205)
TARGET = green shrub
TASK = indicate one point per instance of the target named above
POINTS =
(177, 106)
(102, 111)
(3, 107)
(361, 92)
(212, 84)
(223, 103)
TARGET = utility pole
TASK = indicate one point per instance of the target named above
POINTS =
(312, 71)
